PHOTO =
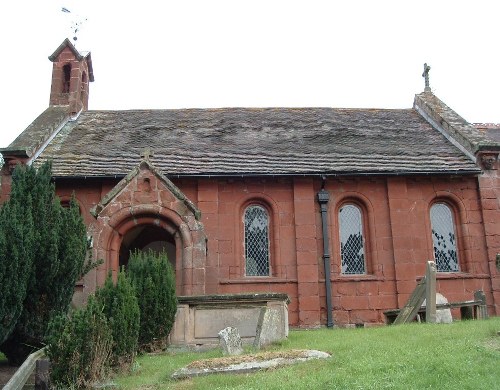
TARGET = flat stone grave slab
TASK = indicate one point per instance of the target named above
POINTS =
(247, 363)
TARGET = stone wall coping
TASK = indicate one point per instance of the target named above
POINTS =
(230, 298)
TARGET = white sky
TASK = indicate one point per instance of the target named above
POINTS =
(186, 53)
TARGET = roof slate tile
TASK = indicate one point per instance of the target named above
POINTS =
(238, 141)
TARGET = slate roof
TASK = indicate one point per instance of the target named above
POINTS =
(490, 130)
(39, 130)
(245, 141)
(466, 134)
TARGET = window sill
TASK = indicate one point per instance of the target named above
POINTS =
(458, 275)
(356, 278)
(253, 280)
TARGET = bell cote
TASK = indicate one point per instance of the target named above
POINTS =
(71, 73)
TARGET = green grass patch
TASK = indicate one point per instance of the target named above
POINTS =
(2, 357)
(462, 355)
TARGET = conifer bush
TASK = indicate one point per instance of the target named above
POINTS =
(17, 252)
(79, 347)
(43, 249)
(122, 311)
(153, 279)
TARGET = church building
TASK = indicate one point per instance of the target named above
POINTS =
(339, 208)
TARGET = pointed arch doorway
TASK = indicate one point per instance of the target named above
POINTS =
(145, 238)
(150, 233)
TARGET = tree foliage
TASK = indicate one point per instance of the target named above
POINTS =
(79, 347)
(17, 250)
(122, 311)
(43, 246)
(153, 278)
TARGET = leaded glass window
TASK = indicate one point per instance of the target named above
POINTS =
(443, 238)
(256, 241)
(352, 251)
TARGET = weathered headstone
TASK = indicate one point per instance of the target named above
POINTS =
(230, 341)
(258, 333)
(443, 316)
(268, 328)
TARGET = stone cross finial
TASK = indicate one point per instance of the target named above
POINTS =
(147, 153)
(427, 68)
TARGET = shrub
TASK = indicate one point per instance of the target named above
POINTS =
(43, 248)
(16, 256)
(122, 311)
(79, 347)
(153, 279)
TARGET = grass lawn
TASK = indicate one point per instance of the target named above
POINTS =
(462, 355)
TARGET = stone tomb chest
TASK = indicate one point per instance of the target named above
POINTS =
(199, 319)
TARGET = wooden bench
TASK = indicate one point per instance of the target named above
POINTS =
(475, 309)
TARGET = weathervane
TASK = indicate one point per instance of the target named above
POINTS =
(427, 68)
(76, 23)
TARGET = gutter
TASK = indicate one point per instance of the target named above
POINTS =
(467, 172)
(335, 174)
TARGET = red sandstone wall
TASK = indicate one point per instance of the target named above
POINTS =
(397, 235)
(489, 184)
(77, 96)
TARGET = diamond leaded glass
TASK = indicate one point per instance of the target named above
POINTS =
(352, 249)
(443, 238)
(256, 241)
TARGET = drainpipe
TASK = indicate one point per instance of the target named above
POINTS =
(323, 198)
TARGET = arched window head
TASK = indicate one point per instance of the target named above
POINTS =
(256, 222)
(352, 247)
(444, 238)
(84, 81)
(66, 78)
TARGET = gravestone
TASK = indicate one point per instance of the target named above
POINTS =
(268, 328)
(443, 316)
(230, 341)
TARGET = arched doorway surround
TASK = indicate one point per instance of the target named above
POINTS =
(148, 237)
(145, 197)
